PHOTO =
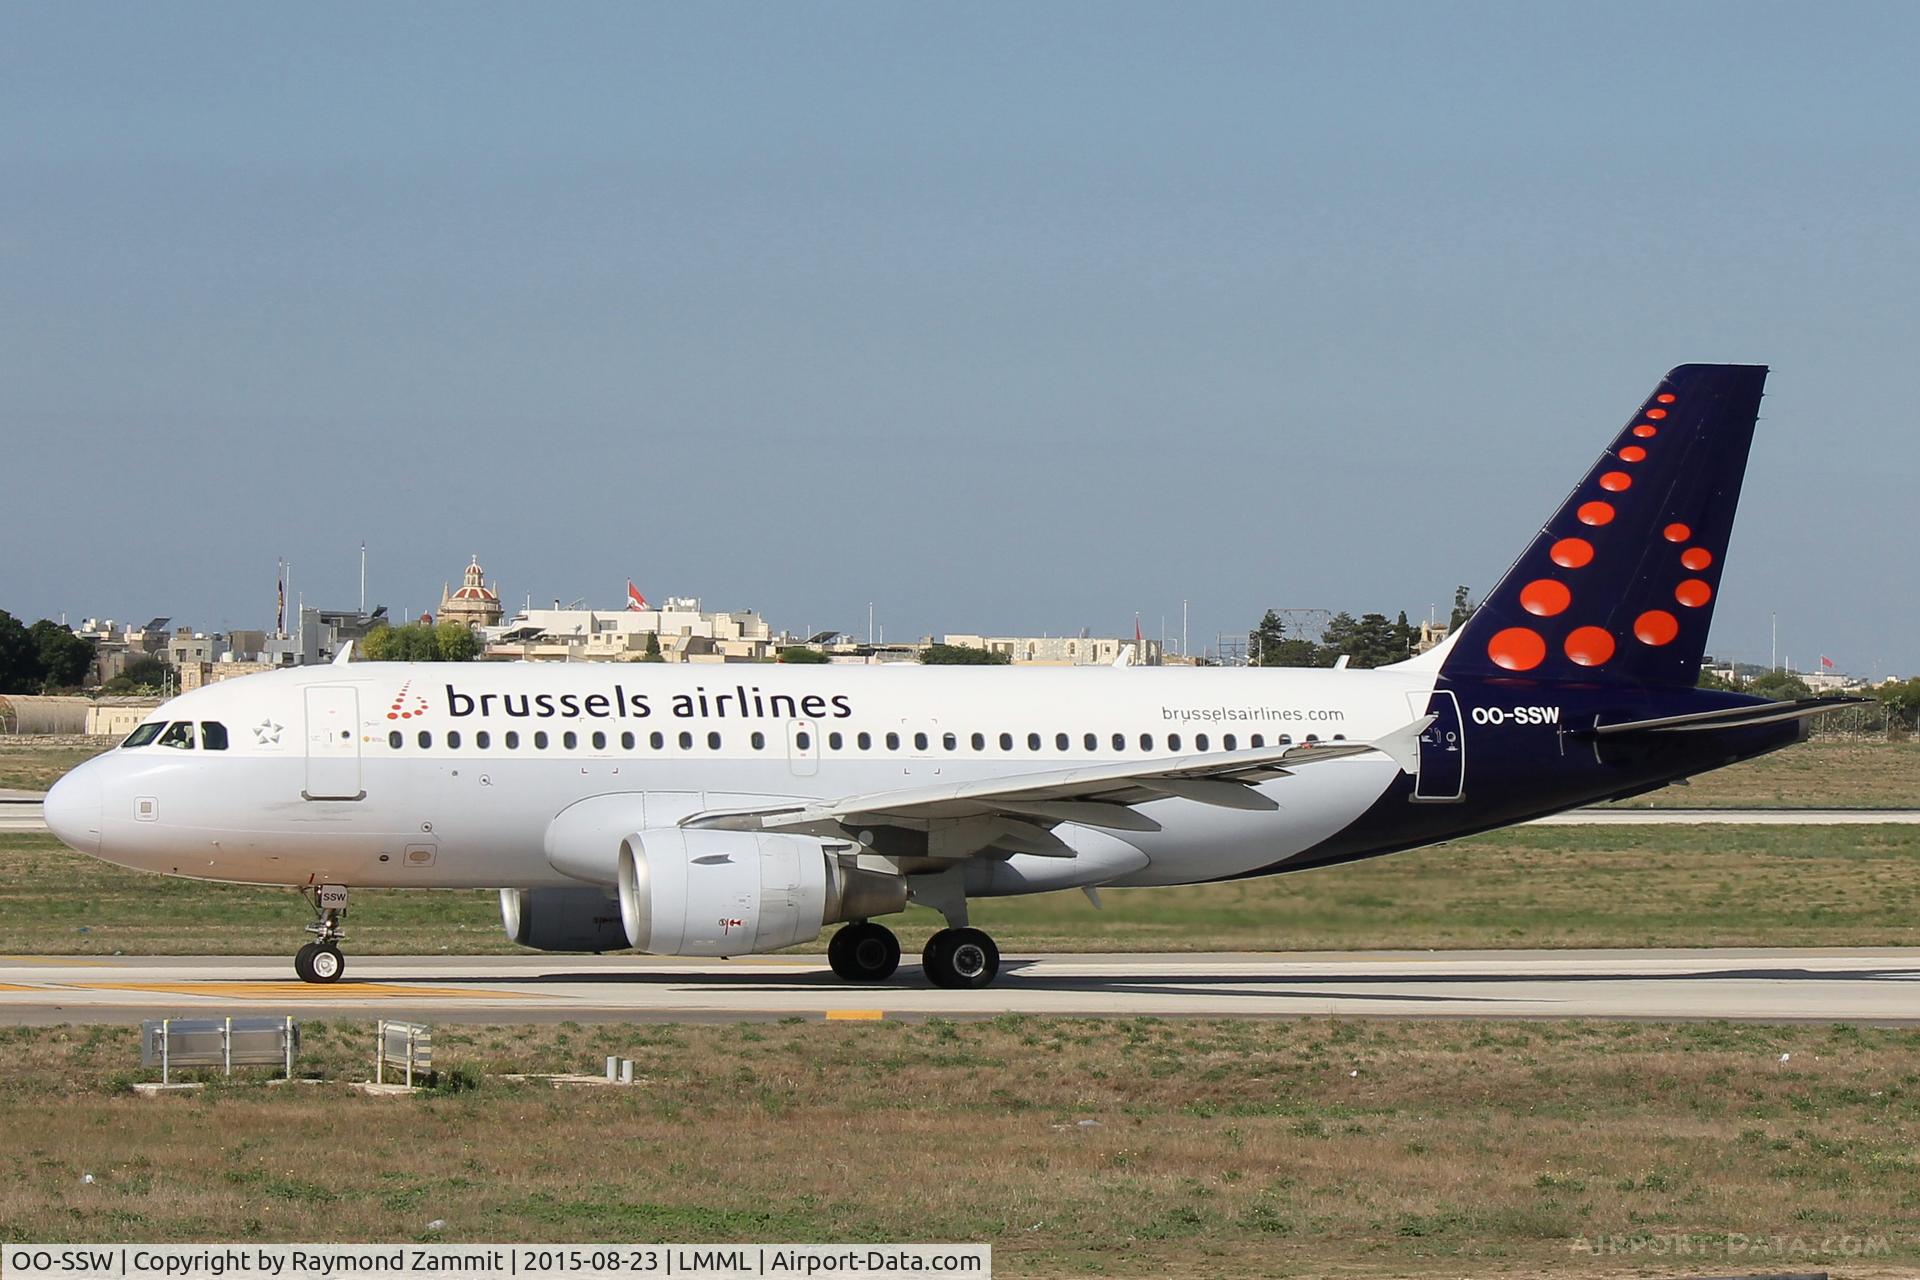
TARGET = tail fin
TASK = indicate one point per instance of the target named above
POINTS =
(1619, 585)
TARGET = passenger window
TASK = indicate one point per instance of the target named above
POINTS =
(453, 739)
(1093, 741)
(394, 739)
(1229, 742)
(569, 739)
(759, 740)
(1199, 742)
(144, 734)
(179, 734)
(686, 742)
(426, 739)
(213, 735)
(919, 742)
(1006, 742)
(512, 739)
(864, 741)
(1313, 737)
(1284, 740)
(1257, 741)
(950, 741)
(599, 741)
(482, 739)
(1146, 742)
(893, 742)
(979, 741)
(540, 740)
(656, 740)
(1173, 742)
(1033, 742)
(1119, 742)
(627, 741)
(713, 740)
(803, 741)
(835, 741)
(1060, 741)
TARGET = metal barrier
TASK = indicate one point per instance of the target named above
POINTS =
(408, 1045)
(219, 1042)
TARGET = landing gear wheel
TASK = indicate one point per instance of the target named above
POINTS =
(326, 964)
(303, 961)
(960, 958)
(864, 952)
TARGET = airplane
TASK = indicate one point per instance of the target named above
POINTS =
(707, 810)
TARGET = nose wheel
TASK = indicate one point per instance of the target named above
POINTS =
(321, 960)
(864, 952)
(961, 959)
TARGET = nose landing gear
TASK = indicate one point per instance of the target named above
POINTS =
(320, 960)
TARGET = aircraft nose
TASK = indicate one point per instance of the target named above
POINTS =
(72, 809)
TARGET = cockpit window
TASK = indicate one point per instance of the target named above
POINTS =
(144, 734)
(213, 735)
(179, 734)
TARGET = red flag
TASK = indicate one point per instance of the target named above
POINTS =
(1139, 645)
(1825, 661)
(635, 600)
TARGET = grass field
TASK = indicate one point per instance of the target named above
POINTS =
(1528, 887)
(1818, 775)
(1073, 1147)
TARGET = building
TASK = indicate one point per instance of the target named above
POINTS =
(475, 604)
(118, 717)
(1062, 651)
(683, 631)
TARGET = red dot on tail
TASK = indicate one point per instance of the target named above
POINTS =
(1656, 627)
(1595, 513)
(1589, 646)
(1543, 597)
(1696, 558)
(1646, 431)
(1572, 553)
(1517, 648)
(1676, 532)
(1665, 397)
(1656, 414)
(1633, 453)
(1693, 593)
(1616, 482)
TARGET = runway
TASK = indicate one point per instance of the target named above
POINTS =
(1867, 985)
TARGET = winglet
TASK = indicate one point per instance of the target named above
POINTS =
(345, 655)
(1402, 746)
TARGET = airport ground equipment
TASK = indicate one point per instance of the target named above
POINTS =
(407, 1045)
(219, 1042)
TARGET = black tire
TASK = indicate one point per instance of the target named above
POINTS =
(303, 962)
(864, 952)
(326, 964)
(961, 959)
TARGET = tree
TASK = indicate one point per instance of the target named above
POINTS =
(652, 652)
(1264, 641)
(148, 675)
(1781, 686)
(455, 642)
(801, 654)
(63, 657)
(961, 655)
(1297, 653)
(1463, 608)
(1902, 702)
(447, 642)
(1710, 679)
(19, 660)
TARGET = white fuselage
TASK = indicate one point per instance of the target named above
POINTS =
(449, 775)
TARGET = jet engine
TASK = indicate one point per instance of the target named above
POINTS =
(691, 892)
(563, 919)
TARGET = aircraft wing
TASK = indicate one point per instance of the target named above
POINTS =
(1017, 813)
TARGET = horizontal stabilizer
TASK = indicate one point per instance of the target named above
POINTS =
(1724, 718)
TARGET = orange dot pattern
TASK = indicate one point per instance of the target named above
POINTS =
(1523, 648)
(399, 710)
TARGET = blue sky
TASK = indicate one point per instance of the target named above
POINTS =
(1009, 318)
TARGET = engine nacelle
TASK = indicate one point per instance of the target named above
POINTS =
(563, 919)
(728, 893)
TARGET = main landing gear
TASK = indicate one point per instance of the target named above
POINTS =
(320, 960)
(960, 958)
(864, 952)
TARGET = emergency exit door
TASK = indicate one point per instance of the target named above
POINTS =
(333, 744)
(1443, 748)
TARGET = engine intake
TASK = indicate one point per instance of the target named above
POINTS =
(725, 893)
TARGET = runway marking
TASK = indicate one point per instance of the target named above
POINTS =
(299, 990)
(855, 1015)
(16, 986)
(70, 961)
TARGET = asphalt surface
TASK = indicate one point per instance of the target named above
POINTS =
(1867, 985)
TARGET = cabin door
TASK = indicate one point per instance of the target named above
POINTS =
(333, 744)
(1443, 748)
